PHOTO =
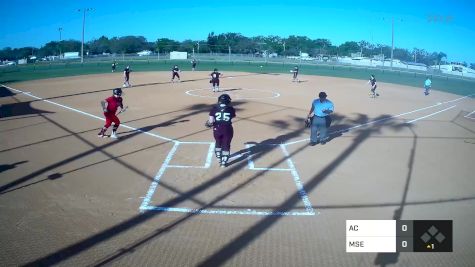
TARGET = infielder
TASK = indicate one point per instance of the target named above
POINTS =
(319, 119)
(427, 86)
(220, 118)
(295, 72)
(114, 65)
(193, 65)
(215, 79)
(372, 81)
(126, 76)
(109, 107)
(175, 73)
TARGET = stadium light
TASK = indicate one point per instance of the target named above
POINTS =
(84, 10)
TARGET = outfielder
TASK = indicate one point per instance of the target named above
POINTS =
(215, 79)
(220, 118)
(175, 73)
(126, 76)
(427, 86)
(109, 107)
(295, 72)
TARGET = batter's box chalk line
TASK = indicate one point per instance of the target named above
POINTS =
(145, 206)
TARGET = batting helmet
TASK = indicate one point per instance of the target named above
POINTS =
(224, 99)
(117, 91)
(322, 95)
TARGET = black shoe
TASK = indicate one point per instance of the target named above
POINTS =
(313, 143)
(324, 141)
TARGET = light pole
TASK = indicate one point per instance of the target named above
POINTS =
(60, 30)
(392, 40)
(84, 10)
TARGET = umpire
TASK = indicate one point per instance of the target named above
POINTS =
(319, 119)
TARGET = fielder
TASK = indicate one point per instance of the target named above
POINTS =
(114, 65)
(193, 65)
(220, 118)
(109, 107)
(175, 73)
(295, 72)
(215, 79)
(127, 76)
(427, 86)
(372, 81)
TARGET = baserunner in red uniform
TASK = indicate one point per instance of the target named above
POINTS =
(109, 107)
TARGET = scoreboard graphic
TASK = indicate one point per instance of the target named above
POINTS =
(399, 236)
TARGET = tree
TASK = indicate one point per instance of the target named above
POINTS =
(363, 45)
(440, 56)
(347, 48)
(166, 45)
(99, 46)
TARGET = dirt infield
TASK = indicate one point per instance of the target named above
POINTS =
(157, 197)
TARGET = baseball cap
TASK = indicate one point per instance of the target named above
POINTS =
(322, 95)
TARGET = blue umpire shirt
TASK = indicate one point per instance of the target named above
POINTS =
(319, 107)
(427, 83)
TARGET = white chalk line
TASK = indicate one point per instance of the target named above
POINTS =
(89, 114)
(468, 115)
(432, 114)
(298, 183)
(296, 178)
(381, 120)
(156, 178)
(224, 90)
(231, 212)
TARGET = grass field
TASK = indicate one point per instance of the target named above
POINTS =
(44, 71)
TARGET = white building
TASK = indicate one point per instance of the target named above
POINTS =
(71, 55)
(144, 53)
(455, 69)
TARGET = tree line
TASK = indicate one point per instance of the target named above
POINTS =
(222, 43)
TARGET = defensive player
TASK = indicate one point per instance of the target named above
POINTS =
(109, 107)
(215, 79)
(427, 86)
(175, 73)
(193, 65)
(126, 76)
(372, 81)
(295, 72)
(114, 65)
(220, 118)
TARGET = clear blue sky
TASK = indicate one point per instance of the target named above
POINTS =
(34, 23)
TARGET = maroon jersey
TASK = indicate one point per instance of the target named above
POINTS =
(113, 103)
(372, 81)
(215, 75)
(175, 70)
(222, 114)
(127, 73)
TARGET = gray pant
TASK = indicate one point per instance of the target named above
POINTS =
(319, 125)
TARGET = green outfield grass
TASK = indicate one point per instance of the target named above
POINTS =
(45, 70)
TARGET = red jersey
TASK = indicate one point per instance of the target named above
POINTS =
(113, 103)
